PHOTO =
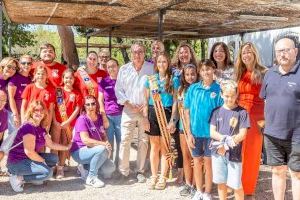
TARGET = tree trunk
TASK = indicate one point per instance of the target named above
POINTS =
(123, 51)
(69, 50)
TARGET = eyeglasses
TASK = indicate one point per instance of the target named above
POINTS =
(11, 67)
(26, 63)
(39, 110)
(3, 100)
(284, 51)
(91, 104)
(138, 52)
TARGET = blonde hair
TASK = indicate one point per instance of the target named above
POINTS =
(229, 85)
(160, 44)
(6, 61)
(258, 70)
(40, 67)
(31, 108)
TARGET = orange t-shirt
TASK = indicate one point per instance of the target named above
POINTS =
(95, 79)
(31, 92)
(54, 72)
(72, 100)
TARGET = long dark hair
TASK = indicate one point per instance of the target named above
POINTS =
(169, 83)
(227, 60)
(183, 83)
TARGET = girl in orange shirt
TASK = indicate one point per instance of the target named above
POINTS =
(249, 74)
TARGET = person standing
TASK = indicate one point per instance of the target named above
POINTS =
(103, 58)
(130, 93)
(281, 91)
(249, 74)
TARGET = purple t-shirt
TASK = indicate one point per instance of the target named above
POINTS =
(3, 120)
(3, 84)
(229, 122)
(17, 153)
(107, 87)
(20, 82)
(84, 124)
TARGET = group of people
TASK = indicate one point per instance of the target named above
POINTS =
(218, 113)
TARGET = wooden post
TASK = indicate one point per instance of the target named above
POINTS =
(87, 45)
(161, 13)
(109, 42)
(1, 28)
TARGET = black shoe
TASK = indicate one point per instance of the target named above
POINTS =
(122, 179)
(140, 178)
(186, 190)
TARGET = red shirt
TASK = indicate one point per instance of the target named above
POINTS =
(72, 100)
(54, 72)
(31, 92)
(95, 79)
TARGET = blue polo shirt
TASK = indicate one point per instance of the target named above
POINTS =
(201, 101)
(166, 98)
(282, 105)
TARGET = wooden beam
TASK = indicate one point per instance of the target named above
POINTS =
(93, 45)
(96, 3)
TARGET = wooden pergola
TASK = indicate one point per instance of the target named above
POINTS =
(168, 19)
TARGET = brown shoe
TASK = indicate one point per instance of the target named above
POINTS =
(161, 184)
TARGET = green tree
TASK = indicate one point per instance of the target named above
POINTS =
(19, 36)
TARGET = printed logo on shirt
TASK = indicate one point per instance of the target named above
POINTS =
(213, 95)
(24, 84)
(219, 119)
(102, 129)
(55, 73)
(108, 87)
(46, 96)
(72, 97)
(292, 84)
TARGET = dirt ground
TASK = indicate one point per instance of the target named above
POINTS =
(72, 187)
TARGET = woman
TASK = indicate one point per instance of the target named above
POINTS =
(221, 57)
(25, 162)
(167, 87)
(90, 146)
(249, 74)
(184, 55)
(157, 47)
(8, 67)
(16, 86)
(87, 79)
(110, 107)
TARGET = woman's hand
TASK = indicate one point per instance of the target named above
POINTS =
(64, 124)
(108, 146)
(191, 141)
(221, 150)
(171, 127)
(17, 121)
(146, 124)
(105, 122)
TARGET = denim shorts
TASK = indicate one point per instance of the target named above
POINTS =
(201, 147)
(225, 171)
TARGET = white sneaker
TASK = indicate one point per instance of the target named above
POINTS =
(16, 183)
(197, 196)
(206, 196)
(36, 182)
(82, 172)
(94, 181)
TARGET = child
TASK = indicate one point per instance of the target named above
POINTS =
(188, 77)
(167, 89)
(228, 126)
(67, 106)
(201, 99)
(39, 90)
(109, 106)
(3, 122)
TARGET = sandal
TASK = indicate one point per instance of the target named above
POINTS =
(161, 184)
(3, 172)
(152, 183)
(60, 172)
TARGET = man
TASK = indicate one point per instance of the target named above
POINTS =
(103, 57)
(130, 93)
(281, 91)
(54, 69)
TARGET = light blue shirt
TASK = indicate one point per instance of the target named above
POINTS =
(201, 101)
(166, 98)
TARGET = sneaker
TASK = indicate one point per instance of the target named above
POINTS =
(206, 196)
(185, 191)
(94, 181)
(16, 183)
(193, 191)
(197, 196)
(82, 172)
(141, 178)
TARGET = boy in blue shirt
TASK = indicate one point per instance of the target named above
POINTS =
(228, 127)
(201, 99)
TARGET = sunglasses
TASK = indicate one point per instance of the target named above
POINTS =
(11, 67)
(91, 104)
(26, 63)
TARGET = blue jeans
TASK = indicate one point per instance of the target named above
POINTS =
(32, 170)
(11, 125)
(114, 131)
(95, 159)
